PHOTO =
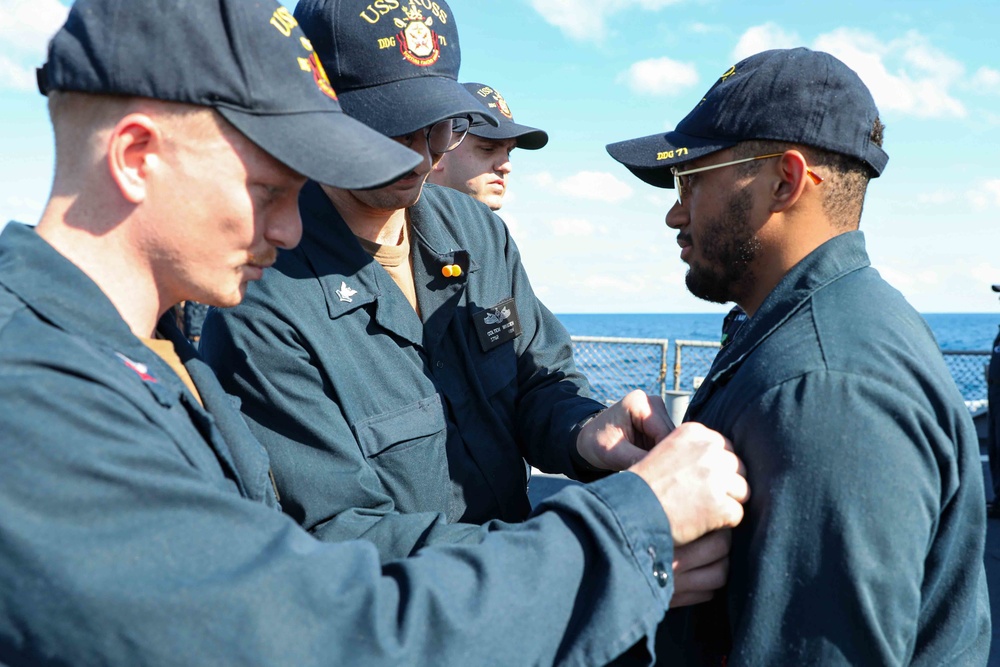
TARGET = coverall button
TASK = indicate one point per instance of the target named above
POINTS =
(661, 576)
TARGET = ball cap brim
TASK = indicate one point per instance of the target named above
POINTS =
(649, 158)
(796, 96)
(400, 107)
(334, 150)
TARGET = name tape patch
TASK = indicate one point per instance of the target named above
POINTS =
(497, 325)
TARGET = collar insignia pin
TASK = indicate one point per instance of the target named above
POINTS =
(345, 293)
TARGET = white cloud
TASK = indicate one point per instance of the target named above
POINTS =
(906, 279)
(986, 80)
(27, 25)
(25, 29)
(22, 209)
(982, 273)
(704, 28)
(986, 195)
(907, 75)
(14, 76)
(595, 185)
(572, 227)
(659, 76)
(542, 179)
(936, 198)
(661, 200)
(588, 23)
(763, 38)
(517, 230)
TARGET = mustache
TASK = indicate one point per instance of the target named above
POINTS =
(264, 259)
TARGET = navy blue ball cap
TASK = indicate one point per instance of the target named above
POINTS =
(394, 63)
(996, 288)
(244, 58)
(530, 138)
(794, 95)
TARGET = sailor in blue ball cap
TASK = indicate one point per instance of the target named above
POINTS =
(397, 365)
(864, 538)
(139, 523)
(481, 166)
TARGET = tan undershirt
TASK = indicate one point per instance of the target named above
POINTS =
(164, 349)
(395, 259)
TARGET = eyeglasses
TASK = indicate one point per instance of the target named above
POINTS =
(443, 136)
(680, 184)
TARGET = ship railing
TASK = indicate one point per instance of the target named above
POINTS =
(616, 366)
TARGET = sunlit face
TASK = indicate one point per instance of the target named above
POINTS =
(404, 192)
(227, 206)
(715, 232)
(479, 167)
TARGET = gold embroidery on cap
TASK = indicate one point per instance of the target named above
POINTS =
(417, 42)
(670, 155)
(283, 20)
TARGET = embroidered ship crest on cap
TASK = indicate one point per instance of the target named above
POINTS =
(417, 42)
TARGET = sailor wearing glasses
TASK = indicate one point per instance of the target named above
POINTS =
(397, 365)
(863, 541)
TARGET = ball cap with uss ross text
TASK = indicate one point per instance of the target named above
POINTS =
(247, 59)
(394, 63)
(528, 138)
(794, 95)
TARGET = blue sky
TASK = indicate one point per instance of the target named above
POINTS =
(593, 72)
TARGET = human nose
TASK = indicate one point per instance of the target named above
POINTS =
(504, 165)
(284, 228)
(677, 216)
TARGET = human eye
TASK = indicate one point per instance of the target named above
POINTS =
(265, 194)
(407, 139)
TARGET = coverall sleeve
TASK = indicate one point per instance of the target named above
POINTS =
(115, 550)
(845, 504)
(553, 395)
(330, 489)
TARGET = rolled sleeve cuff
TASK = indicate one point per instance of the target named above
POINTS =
(645, 526)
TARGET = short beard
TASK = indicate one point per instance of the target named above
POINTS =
(728, 246)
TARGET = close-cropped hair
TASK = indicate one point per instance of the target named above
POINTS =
(78, 118)
(845, 178)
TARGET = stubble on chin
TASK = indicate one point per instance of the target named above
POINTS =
(728, 248)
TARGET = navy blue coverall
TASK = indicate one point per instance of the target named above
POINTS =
(405, 430)
(139, 527)
(863, 539)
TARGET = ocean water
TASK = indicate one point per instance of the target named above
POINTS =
(954, 331)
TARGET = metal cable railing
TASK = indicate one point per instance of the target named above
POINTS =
(616, 366)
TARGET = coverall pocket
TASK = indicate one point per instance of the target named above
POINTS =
(403, 429)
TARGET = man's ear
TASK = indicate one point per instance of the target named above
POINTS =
(133, 152)
(791, 174)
